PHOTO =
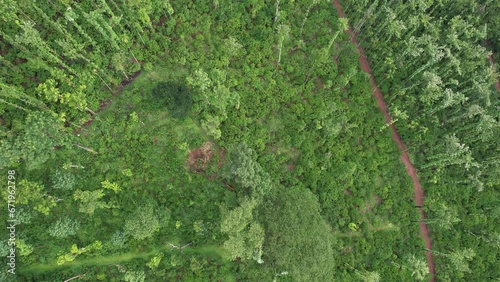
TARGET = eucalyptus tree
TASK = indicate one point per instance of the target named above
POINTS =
(282, 31)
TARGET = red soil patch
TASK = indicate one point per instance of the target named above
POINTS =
(200, 157)
(419, 192)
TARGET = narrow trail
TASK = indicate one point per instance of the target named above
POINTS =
(410, 169)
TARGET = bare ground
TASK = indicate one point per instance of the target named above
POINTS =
(410, 169)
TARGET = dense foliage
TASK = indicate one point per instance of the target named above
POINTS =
(239, 141)
(431, 62)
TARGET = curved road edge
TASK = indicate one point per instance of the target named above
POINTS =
(410, 169)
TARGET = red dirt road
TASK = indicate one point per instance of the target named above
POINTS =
(419, 192)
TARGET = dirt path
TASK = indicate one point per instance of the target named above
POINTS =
(419, 192)
(106, 103)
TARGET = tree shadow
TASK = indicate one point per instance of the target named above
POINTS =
(174, 96)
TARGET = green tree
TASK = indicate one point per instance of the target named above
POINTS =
(282, 31)
(135, 276)
(64, 227)
(90, 200)
(246, 236)
(211, 126)
(36, 143)
(418, 267)
(368, 276)
(246, 171)
(25, 249)
(142, 223)
(443, 216)
(199, 80)
(118, 61)
(34, 193)
(118, 240)
(298, 240)
(62, 180)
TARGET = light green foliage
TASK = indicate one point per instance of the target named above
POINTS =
(237, 219)
(459, 259)
(49, 91)
(135, 276)
(24, 248)
(23, 215)
(442, 215)
(4, 248)
(196, 265)
(75, 251)
(35, 144)
(246, 236)
(419, 269)
(111, 185)
(127, 172)
(199, 227)
(118, 240)
(34, 193)
(246, 171)
(64, 227)
(142, 223)
(175, 260)
(199, 80)
(368, 276)
(28, 191)
(63, 180)
(211, 126)
(155, 261)
(89, 200)
(118, 61)
(232, 47)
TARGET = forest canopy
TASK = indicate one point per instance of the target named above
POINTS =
(246, 140)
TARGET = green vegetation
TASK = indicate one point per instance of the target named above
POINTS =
(432, 64)
(240, 141)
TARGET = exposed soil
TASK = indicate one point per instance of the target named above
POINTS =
(200, 157)
(410, 169)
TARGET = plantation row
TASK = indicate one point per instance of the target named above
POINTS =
(431, 61)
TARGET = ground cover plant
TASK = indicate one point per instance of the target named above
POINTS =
(240, 141)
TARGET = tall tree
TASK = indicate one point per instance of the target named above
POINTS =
(298, 240)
